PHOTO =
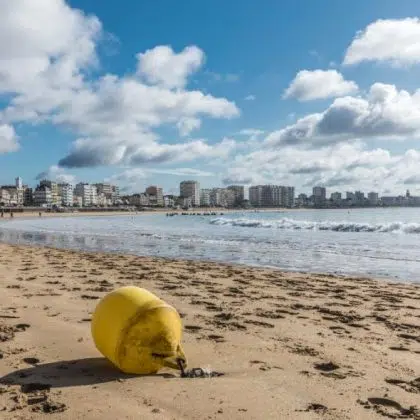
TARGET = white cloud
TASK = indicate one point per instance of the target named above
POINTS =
(181, 172)
(385, 113)
(161, 65)
(44, 43)
(251, 132)
(8, 139)
(44, 74)
(187, 125)
(338, 167)
(388, 40)
(250, 98)
(134, 179)
(89, 153)
(319, 84)
(57, 174)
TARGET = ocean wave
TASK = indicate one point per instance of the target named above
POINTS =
(291, 224)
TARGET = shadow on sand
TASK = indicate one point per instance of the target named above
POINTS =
(70, 373)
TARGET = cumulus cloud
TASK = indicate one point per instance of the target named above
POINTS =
(88, 153)
(319, 84)
(44, 71)
(44, 43)
(412, 180)
(57, 174)
(250, 98)
(386, 40)
(161, 65)
(385, 113)
(8, 139)
(341, 166)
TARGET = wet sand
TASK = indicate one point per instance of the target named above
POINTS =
(290, 345)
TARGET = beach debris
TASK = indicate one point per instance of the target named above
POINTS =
(197, 372)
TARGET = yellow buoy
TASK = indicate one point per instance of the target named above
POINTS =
(138, 332)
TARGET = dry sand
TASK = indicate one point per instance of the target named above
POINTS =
(291, 346)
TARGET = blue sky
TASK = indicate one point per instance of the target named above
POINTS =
(86, 99)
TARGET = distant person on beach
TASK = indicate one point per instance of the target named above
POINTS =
(11, 214)
(40, 214)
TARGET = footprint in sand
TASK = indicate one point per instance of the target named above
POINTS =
(409, 386)
(390, 408)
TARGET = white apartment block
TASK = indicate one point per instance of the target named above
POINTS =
(205, 197)
(65, 191)
(190, 189)
(272, 196)
(88, 193)
(42, 196)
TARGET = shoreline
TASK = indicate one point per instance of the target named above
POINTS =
(290, 345)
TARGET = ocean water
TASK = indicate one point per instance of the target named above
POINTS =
(370, 242)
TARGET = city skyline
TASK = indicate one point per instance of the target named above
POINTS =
(51, 194)
(104, 95)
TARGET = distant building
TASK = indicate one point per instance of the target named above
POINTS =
(4, 197)
(255, 196)
(302, 200)
(190, 189)
(115, 194)
(42, 196)
(19, 182)
(87, 192)
(336, 197)
(272, 196)
(169, 201)
(319, 196)
(15, 195)
(359, 197)
(65, 191)
(139, 200)
(28, 199)
(389, 201)
(239, 193)
(373, 198)
(155, 195)
(205, 197)
(53, 187)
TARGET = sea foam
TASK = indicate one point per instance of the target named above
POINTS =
(292, 224)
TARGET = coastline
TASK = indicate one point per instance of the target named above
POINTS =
(35, 214)
(291, 345)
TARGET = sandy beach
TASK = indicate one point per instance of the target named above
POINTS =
(290, 345)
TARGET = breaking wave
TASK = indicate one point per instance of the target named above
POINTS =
(291, 224)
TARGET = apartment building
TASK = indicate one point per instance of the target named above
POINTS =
(190, 189)
(88, 194)
(42, 196)
(65, 191)
(271, 196)
(239, 193)
(53, 187)
(205, 194)
(155, 195)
